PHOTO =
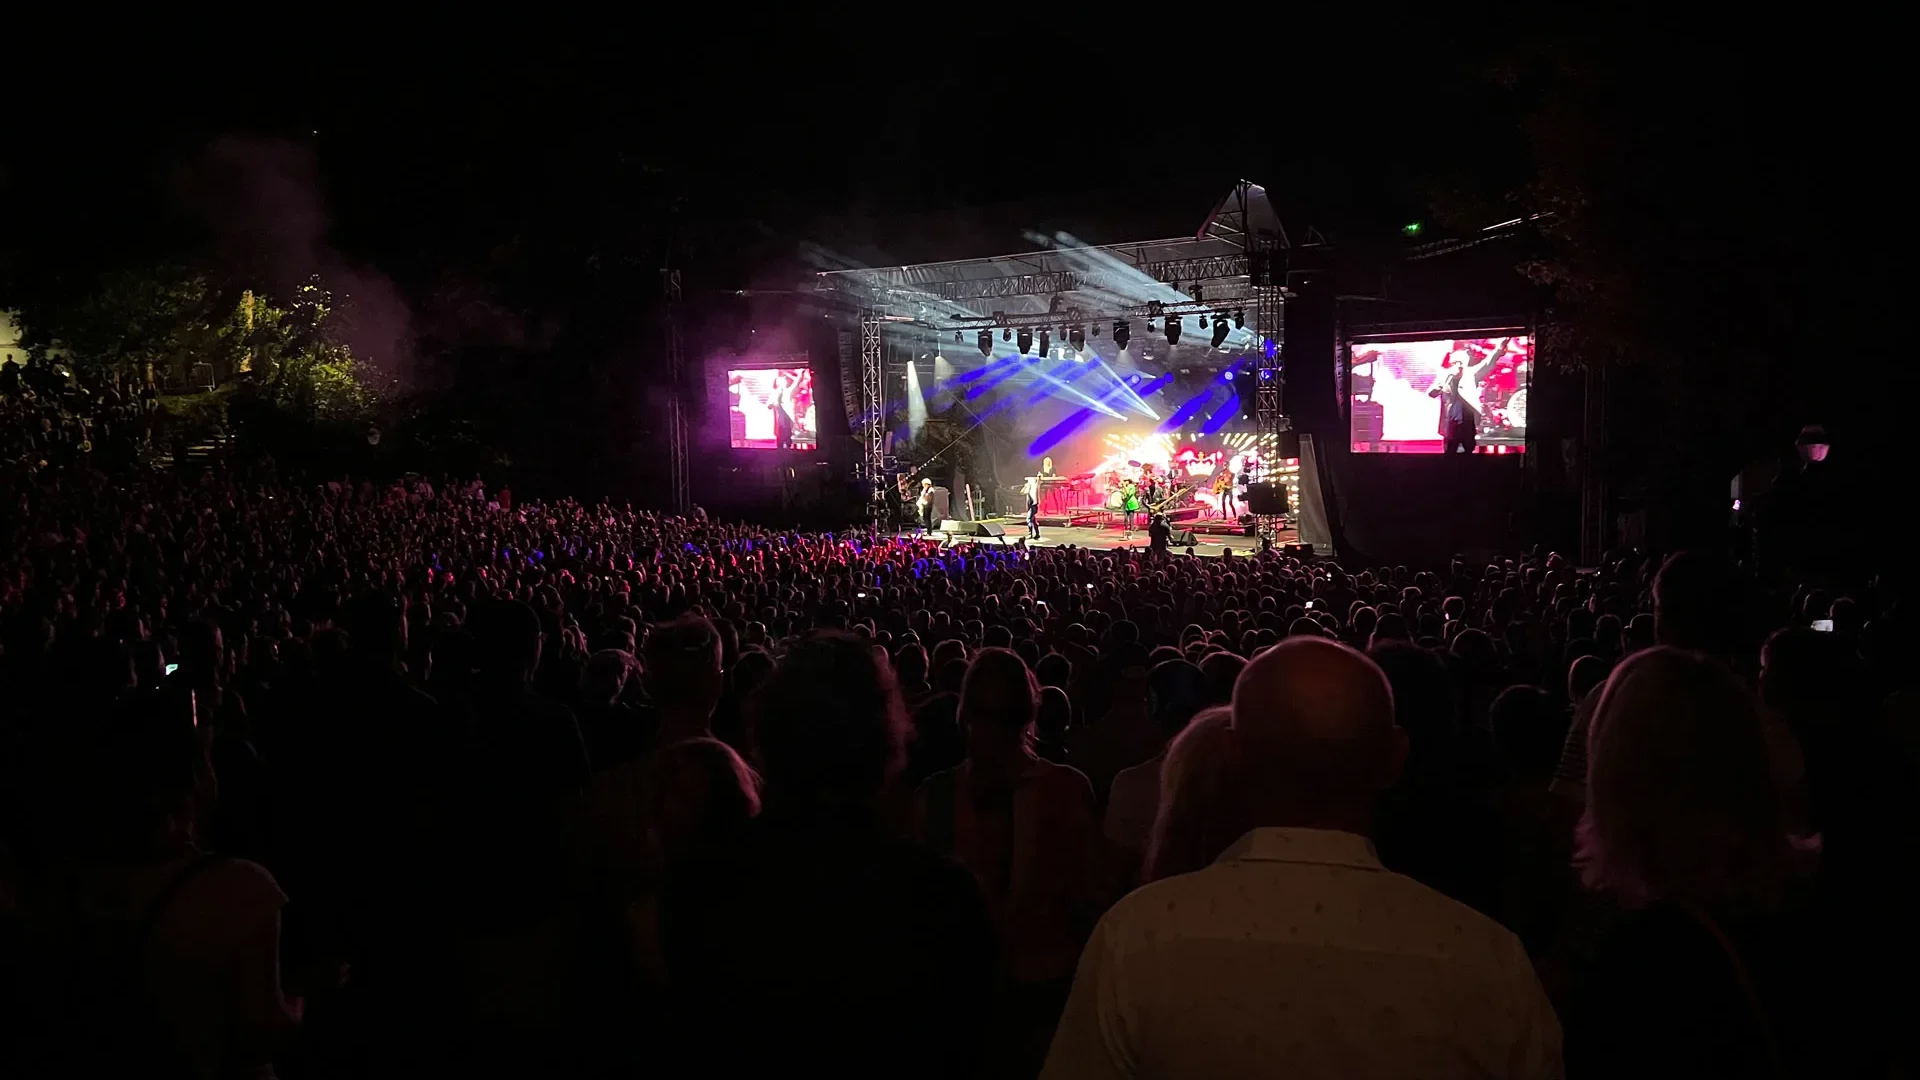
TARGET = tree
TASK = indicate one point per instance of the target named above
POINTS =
(132, 317)
(1675, 188)
(300, 364)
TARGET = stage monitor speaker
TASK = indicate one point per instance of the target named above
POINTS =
(972, 528)
(1266, 499)
(1183, 538)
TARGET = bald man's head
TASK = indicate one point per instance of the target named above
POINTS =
(1313, 730)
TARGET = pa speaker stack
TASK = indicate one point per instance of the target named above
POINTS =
(1266, 499)
(958, 530)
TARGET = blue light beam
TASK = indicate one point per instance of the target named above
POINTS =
(1052, 437)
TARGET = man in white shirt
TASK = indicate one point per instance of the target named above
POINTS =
(1296, 953)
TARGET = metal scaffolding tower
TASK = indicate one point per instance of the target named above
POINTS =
(677, 464)
(873, 408)
(1269, 416)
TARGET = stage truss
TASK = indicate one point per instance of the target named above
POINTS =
(873, 404)
(1230, 268)
(1269, 394)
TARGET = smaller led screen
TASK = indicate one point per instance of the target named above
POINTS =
(771, 409)
(1441, 395)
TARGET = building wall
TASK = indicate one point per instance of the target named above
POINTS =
(10, 348)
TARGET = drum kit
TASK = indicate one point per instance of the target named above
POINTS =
(1131, 495)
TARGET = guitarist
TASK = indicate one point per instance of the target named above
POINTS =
(1149, 488)
(1223, 487)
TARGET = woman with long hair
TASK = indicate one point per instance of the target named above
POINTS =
(1197, 818)
(1714, 966)
(1025, 828)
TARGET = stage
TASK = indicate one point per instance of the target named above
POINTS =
(1104, 539)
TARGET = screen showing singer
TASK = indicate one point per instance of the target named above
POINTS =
(1441, 395)
(771, 409)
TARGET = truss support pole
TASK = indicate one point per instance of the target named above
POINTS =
(679, 483)
(873, 407)
(1269, 388)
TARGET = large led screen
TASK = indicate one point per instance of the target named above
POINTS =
(771, 409)
(1440, 395)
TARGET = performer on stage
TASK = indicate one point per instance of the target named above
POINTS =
(1149, 488)
(1046, 467)
(1129, 506)
(925, 503)
(1032, 489)
(1223, 487)
(782, 405)
(1459, 413)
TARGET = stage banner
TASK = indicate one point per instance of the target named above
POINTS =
(1313, 526)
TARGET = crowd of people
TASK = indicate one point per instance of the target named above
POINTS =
(351, 779)
(51, 418)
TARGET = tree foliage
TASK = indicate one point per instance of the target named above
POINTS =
(298, 359)
(152, 316)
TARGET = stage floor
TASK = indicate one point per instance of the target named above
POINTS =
(1109, 539)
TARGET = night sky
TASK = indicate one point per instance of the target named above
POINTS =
(431, 160)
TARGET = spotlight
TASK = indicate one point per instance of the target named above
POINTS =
(1239, 319)
(1007, 334)
(1173, 330)
(986, 343)
(1077, 337)
(1220, 332)
(1096, 330)
(1121, 333)
(1203, 320)
(1026, 341)
(1199, 293)
(1046, 343)
(956, 337)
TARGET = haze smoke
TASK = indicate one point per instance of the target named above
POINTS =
(263, 203)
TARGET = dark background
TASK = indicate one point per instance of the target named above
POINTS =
(500, 198)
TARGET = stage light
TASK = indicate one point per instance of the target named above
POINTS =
(956, 337)
(1077, 337)
(1173, 330)
(986, 343)
(1203, 320)
(1007, 334)
(1413, 228)
(1122, 333)
(1046, 344)
(1220, 332)
(1096, 329)
(1025, 342)
(1239, 319)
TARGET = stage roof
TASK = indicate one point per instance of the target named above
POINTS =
(1064, 281)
